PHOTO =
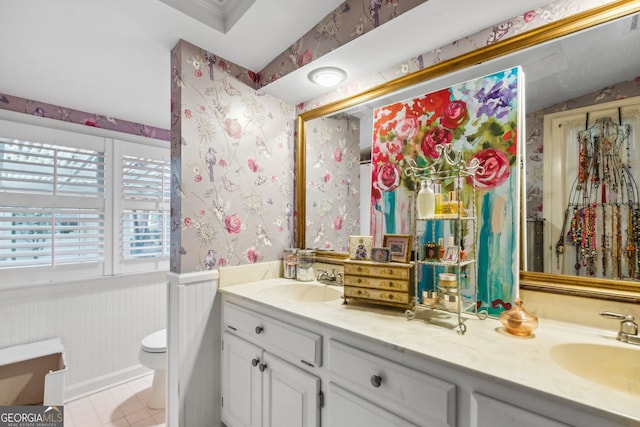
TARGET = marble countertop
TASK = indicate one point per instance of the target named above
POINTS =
(486, 347)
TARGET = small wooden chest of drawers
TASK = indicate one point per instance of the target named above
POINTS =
(380, 283)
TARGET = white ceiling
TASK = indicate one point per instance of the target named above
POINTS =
(112, 57)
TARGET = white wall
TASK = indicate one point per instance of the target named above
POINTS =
(100, 321)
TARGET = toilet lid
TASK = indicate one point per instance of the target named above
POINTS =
(155, 342)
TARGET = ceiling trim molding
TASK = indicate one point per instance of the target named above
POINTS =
(220, 15)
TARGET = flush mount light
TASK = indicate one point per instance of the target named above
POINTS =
(328, 76)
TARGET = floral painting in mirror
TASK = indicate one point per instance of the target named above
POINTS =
(479, 118)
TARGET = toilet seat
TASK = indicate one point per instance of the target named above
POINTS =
(155, 342)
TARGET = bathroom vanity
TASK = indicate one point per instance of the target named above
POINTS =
(294, 355)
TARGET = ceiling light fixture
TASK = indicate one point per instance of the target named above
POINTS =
(328, 76)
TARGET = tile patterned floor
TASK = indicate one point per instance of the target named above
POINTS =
(124, 405)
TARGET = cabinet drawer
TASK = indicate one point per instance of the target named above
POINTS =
(375, 282)
(289, 342)
(416, 396)
(377, 270)
(486, 411)
(376, 294)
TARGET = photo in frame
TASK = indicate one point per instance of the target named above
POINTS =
(450, 254)
(360, 247)
(380, 254)
(430, 251)
(399, 246)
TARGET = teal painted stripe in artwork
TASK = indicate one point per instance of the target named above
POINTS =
(485, 242)
(389, 206)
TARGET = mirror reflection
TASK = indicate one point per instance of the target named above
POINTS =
(592, 73)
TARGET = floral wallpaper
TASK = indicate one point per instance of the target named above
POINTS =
(233, 167)
(347, 22)
(480, 120)
(55, 112)
(333, 182)
(535, 131)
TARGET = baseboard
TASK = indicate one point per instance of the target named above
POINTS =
(77, 391)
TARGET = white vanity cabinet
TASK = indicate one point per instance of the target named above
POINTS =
(287, 365)
(258, 387)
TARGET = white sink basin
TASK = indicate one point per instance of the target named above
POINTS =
(302, 292)
(614, 367)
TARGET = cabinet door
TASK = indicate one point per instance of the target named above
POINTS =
(241, 382)
(290, 395)
(348, 410)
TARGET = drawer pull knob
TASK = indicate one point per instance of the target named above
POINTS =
(255, 361)
(262, 367)
(359, 268)
(359, 280)
(390, 271)
(391, 284)
(376, 380)
(259, 330)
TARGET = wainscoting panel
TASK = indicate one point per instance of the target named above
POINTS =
(194, 350)
(100, 321)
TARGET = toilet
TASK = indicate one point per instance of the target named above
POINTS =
(153, 355)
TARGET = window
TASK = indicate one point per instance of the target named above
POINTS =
(74, 205)
(145, 217)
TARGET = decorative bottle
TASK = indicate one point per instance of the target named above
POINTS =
(426, 200)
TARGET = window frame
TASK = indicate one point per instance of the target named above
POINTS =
(115, 145)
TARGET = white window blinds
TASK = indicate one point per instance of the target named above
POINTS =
(45, 217)
(74, 205)
(145, 214)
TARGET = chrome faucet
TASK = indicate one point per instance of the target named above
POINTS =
(333, 277)
(628, 327)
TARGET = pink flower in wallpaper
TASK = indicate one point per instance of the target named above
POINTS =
(337, 223)
(337, 155)
(304, 58)
(233, 224)
(252, 255)
(252, 164)
(233, 128)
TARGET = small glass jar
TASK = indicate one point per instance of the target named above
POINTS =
(518, 321)
(449, 302)
(305, 265)
(290, 261)
(430, 298)
(447, 280)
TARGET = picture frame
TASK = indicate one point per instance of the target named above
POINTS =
(399, 246)
(360, 247)
(451, 254)
(430, 251)
(380, 254)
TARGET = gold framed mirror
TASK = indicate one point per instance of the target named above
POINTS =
(619, 290)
